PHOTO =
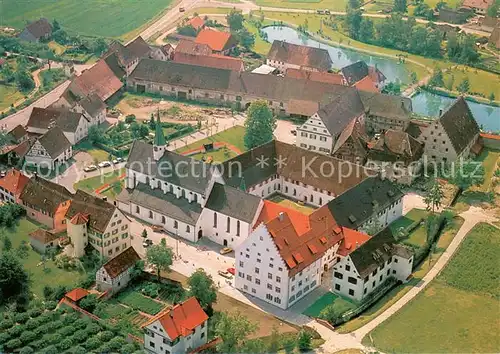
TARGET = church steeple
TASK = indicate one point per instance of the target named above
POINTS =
(159, 143)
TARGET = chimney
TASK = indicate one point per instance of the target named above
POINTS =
(105, 199)
(440, 112)
(281, 215)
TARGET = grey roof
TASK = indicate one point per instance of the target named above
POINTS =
(18, 132)
(358, 204)
(44, 195)
(45, 118)
(173, 168)
(402, 251)
(165, 203)
(373, 253)
(54, 142)
(233, 202)
(92, 104)
(39, 28)
(342, 110)
(99, 211)
(388, 106)
(459, 124)
(139, 48)
(300, 55)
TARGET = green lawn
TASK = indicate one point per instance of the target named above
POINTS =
(398, 292)
(418, 236)
(52, 276)
(458, 311)
(489, 159)
(92, 183)
(341, 305)
(288, 203)
(107, 18)
(51, 78)
(332, 5)
(477, 78)
(139, 302)
(233, 136)
(8, 96)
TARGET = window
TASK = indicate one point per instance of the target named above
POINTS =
(257, 281)
(388, 271)
(256, 270)
(277, 300)
(364, 292)
(395, 260)
(163, 220)
(151, 344)
(269, 286)
(176, 224)
(241, 264)
(249, 277)
(338, 275)
(215, 219)
(380, 278)
(278, 279)
(228, 227)
(150, 214)
(351, 292)
(241, 275)
(300, 283)
(137, 209)
(278, 290)
(347, 267)
(269, 276)
(271, 265)
(237, 228)
(245, 287)
(375, 272)
(352, 280)
(373, 284)
(269, 297)
(337, 287)
(187, 228)
(253, 291)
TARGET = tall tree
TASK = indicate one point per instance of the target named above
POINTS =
(468, 53)
(14, 280)
(202, 287)
(352, 22)
(400, 6)
(161, 257)
(433, 44)
(259, 125)
(463, 86)
(235, 20)
(437, 78)
(233, 329)
(304, 341)
(96, 134)
(24, 80)
(246, 39)
(433, 196)
(366, 30)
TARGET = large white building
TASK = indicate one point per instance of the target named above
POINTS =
(178, 330)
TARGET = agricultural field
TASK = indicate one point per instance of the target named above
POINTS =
(452, 313)
(40, 274)
(110, 18)
(332, 5)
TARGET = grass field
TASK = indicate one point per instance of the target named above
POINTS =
(52, 275)
(332, 5)
(418, 236)
(489, 160)
(107, 18)
(233, 136)
(458, 311)
(8, 96)
(477, 78)
(292, 204)
(139, 302)
(92, 183)
(395, 294)
(341, 305)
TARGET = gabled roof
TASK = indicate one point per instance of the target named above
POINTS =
(355, 72)
(181, 320)
(216, 40)
(18, 132)
(355, 133)
(341, 110)
(22, 149)
(388, 106)
(54, 142)
(139, 48)
(359, 203)
(40, 28)
(97, 211)
(45, 118)
(44, 236)
(91, 103)
(196, 22)
(79, 219)
(212, 61)
(395, 145)
(352, 240)
(233, 202)
(459, 124)
(366, 84)
(44, 195)
(301, 55)
(271, 210)
(122, 262)
(190, 47)
(14, 181)
(77, 294)
(122, 53)
(326, 77)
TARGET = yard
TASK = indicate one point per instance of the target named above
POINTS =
(341, 305)
(418, 236)
(51, 78)
(490, 160)
(8, 96)
(93, 183)
(40, 275)
(135, 300)
(91, 17)
(395, 294)
(456, 312)
(292, 204)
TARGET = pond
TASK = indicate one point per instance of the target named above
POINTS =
(429, 104)
(341, 57)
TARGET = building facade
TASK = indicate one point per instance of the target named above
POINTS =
(116, 273)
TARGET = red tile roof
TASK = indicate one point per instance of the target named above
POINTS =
(181, 319)
(14, 181)
(190, 47)
(216, 40)
(99, 79)
(212, 61)
(301, 247)
(329, 78)
(77, 294)
(366, 84)
(79, 219)
(196, 22)
(352, 240)
(271, 210)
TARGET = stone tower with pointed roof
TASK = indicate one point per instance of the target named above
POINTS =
(159, 143)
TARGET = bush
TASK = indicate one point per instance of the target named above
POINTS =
(128, 349)
(92, 343)
(80, 336)
(13, 343)
(21, 317)
(89, 302)
(117, 342)
(66, 331)
(4, 337)
(151, 290)
(39, 344)
(35, 312)
(106, 336)
(130, 118)
(42, 329)
(65, 344)
(56, 324)
(27, 336)
(81, 323)
(50, 305)
(7, 323)
(16, 330)
(70, 318)
(51, 349)
(79, 350)
(33, 323)
(26, 350)
(93, 328)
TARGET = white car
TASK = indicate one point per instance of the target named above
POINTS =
(104, 164)
(90, 168)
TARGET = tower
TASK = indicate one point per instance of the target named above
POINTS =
(159, 143)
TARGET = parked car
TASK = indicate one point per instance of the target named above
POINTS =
(90, 168)
(157, 228)
(231, 270)
(226, 250)
(181, 9)
(146, 243)
(104, 164)
(225, 274)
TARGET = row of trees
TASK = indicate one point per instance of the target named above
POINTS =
(437, 79)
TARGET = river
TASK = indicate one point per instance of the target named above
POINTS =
(424, 103)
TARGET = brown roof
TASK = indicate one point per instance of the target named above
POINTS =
(366, 84)
(98, 211)
(477, 4)
(213, 61)
(44, 195)
(44, 118)
(303, 56)
(216, 40)
(300, 250)
(14, 181)
(395, 145)
(44, 236)
(18, 132)
(459, 124)
(326, 77)
(303, 108)
(139, 48)
(40, 28)
(196, 22)
(190, 47)
(388, 106)
(22, 149)
(121, 263)
(99, 79)
(54, 142)
(355, 133)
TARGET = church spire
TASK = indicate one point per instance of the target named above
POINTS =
(159, 143)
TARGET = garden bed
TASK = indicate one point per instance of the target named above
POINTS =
(137, 301)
